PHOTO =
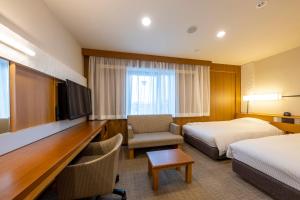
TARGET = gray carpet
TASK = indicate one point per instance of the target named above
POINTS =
(212, 180)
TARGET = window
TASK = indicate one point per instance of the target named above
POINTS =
(4, 89)
(150, 91)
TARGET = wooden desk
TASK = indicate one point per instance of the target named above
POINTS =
(26, 172)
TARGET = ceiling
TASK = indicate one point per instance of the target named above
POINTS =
(252, 33)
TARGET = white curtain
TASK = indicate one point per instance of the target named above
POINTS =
(150, 89)
(192, 90)
(125, 87)
(107, 81)
(4, 89)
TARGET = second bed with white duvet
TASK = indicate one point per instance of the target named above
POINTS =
(220, 134)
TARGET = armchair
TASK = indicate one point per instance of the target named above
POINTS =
(152, 131)
(94, 173)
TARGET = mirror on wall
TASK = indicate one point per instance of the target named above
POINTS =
(4, 96)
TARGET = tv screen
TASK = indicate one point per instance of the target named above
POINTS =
(78, 100)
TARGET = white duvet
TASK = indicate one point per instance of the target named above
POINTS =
(276, 156)
(221, 134)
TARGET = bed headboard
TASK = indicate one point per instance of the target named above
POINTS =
(275, 120)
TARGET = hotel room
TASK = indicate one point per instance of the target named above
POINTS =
(140, 99)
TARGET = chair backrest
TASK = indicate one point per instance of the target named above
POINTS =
(94, 177)
(149, 123)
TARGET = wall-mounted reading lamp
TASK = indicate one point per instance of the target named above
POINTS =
(261, 97)
(13, 40)
(265, 97)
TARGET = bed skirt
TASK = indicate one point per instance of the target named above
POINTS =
(212, 152)
(264, 182)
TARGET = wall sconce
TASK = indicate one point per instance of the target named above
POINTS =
(261, 97)
(14, 41)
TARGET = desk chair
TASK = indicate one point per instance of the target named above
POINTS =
(94, 173)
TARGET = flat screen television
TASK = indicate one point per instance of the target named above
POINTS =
(74, 100)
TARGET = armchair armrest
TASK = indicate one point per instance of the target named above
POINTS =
(130, 131)
(175, 128)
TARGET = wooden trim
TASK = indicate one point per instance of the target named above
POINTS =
(12, 99)
(146, 57)
(266, 115)
(286, 127)
(86, 67)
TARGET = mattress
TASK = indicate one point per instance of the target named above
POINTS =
(276, 156)
(221, 134)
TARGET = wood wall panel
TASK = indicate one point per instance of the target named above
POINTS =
(34, 98)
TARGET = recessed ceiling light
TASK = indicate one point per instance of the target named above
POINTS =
(221, 34)
(261, 3)
(146, 21)
(192, 29)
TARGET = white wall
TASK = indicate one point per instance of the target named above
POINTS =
(39, 26)
(278, 73)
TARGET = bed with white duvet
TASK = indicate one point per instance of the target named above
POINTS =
(213, 138)
(274, 161)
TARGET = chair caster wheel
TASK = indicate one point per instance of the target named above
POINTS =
(121, 193)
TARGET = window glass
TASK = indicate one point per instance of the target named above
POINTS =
(150, 91)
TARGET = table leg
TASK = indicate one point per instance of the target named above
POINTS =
(155, 173)
(149, 168)
(188, 173)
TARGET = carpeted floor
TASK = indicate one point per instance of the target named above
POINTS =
(212, 180)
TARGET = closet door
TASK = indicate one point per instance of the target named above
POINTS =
(223, 95)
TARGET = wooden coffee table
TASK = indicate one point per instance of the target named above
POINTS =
(166, 159)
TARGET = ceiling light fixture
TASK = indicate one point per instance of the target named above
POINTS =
(192, 29)
(221, 34)
(146, 21)
(261, 3)
(12, 40)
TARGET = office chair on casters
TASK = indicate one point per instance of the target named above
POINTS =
(94, 173)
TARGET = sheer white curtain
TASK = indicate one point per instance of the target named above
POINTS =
(107, 81)
(4, 89)
(150, 89)
(192, 90)
(125, 87)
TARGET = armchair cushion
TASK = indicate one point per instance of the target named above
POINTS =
(175, 128)
(154, 139)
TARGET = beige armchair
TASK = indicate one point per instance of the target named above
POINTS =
(152, 131)
(94, 173)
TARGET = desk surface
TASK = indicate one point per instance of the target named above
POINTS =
(36, 165)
